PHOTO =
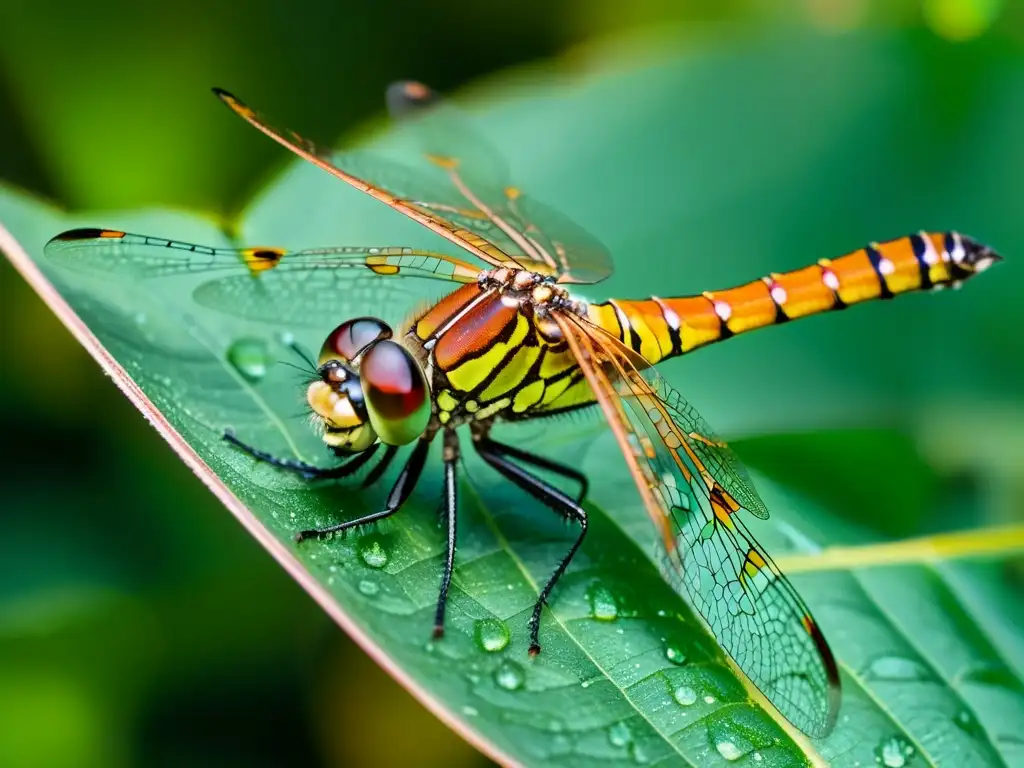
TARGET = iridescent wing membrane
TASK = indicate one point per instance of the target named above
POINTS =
(458, 187)
(691, 483)
(262, 283)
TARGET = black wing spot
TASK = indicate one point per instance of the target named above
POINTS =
(87, 233)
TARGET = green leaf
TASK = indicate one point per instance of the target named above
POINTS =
(702, 160)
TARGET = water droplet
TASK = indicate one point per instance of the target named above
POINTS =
(639, 756)
(140, 318)
(894, 753)
(758, 757)
(491, 635)
(619, 735)
(368, 588)
(373, 553)
(603, 605)
(470, 711)
(674, 654)
(709, 699)
(250, 357)
(509, 676)
(685, 695)
(560, 745)
(897, 668)
(967, 723)
(728, 750)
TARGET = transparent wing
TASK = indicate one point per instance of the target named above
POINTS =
(710, 555)
(267, 284)
(457, 186)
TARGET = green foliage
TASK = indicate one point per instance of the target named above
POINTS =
(698, 170)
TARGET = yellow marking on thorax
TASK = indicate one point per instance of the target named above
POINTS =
(513, 374)
(528, 396)
(556, 362)
(468, 376)
(446, 401)
(562, 395)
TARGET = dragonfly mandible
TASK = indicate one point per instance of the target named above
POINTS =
(510, 342)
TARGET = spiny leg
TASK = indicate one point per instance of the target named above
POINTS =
(374, 474)
(308, 471)
(451, 457)
(556, 500)
(400, 491)
(538, 461)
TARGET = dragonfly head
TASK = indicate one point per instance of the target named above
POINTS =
(970, 257)
(369, 388)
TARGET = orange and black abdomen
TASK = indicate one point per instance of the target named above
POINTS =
(660, 328)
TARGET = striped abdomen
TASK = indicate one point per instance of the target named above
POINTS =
(660, 328)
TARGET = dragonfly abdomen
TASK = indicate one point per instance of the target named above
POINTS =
(660, 328)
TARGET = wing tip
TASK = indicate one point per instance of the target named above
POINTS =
(86, 233)
(834, 693)
(405, 97)
(233, 102)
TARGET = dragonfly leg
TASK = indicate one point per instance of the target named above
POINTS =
(552, 497)
(538, 461)
(451, 458)
(400, 491)
(308, 471)
(374, 474)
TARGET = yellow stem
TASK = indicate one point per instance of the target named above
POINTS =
(944, 546)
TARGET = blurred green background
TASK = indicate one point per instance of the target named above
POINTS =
(150, 633)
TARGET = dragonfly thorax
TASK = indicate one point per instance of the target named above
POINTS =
(520, 287)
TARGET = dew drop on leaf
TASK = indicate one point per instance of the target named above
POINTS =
(619, 735)
(250, 357)
(728, 750)
(603, 605)
(894, 752)
(967, 723)
(491, 635)
(509, 676)
(639, 756)
(369, 588)
(560, 745)
(896, 668)
(674, 654)
(373, 553)
(470, 711)
(685, 695)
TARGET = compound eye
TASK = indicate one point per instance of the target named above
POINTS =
(351, 337)
(395, 393)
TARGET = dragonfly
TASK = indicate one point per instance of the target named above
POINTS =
(508, 341)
